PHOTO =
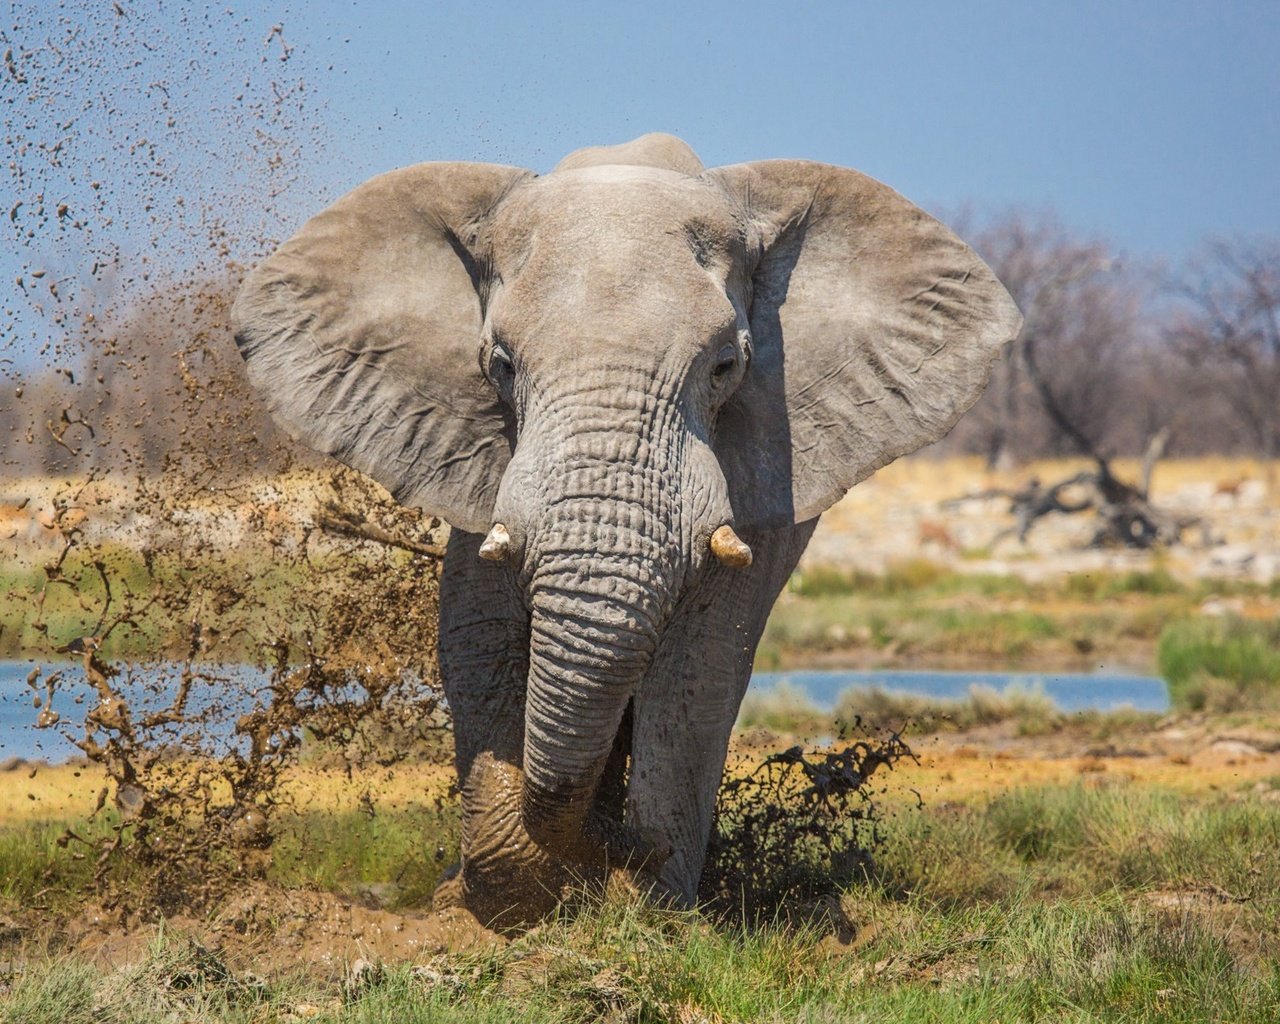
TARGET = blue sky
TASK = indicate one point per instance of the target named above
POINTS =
(1155, 124)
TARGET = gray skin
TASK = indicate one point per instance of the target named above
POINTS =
(613, 360)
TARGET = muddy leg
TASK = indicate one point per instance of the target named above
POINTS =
(503, 878)
(687, 703)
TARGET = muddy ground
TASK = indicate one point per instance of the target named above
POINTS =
(268, 929)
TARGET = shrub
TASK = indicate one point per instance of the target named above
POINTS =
(1097, 585)
(1029, 706)
(1221, 664)
(913, 574)
(801, 826)
(825, 581)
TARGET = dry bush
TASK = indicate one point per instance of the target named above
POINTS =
(172, 521)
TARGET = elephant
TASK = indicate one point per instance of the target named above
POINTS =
(631, 386)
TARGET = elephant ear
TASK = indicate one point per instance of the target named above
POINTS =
(363, 331)
(873, 329)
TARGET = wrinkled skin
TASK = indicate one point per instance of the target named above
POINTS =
(613, 361)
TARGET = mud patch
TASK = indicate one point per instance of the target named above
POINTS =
(274, 932)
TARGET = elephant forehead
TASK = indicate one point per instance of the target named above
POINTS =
(620, 213)
(593, 251)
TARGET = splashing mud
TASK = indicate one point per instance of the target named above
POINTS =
(233, 603)
(795, 829)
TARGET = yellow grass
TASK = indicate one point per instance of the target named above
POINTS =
(959, 773)
(51, 794)
(940, 479)
(67, 792)
(967, 773)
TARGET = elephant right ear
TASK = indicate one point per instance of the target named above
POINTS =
(362, 332)
(873, 329)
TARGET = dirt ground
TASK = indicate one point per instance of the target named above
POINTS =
(269, 929)
(909, 510)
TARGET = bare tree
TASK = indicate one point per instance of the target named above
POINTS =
(1227, 324)
(1085, 336)
(1080, 355)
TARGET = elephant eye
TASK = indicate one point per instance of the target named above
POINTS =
(726, 362)
(501, 371)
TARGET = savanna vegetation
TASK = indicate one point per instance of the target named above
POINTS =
(1089, 884)
(1222, 664)
(919, 612)
(1078, 902)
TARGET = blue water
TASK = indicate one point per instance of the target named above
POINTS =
(144, 687)
(1071, 692)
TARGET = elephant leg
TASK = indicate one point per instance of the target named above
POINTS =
(686, 705)
(503, 878)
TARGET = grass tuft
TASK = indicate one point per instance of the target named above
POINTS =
(1029, 706)
(1222, 664)
(784, 708)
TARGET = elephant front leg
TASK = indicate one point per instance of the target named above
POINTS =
(503, 877)
(686, 705)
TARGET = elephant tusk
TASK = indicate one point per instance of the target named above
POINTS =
(496, 546)
(730, 548)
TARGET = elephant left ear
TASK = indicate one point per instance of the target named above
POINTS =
(873, 329)
(362, 332)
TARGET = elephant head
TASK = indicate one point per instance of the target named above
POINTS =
(610, 370)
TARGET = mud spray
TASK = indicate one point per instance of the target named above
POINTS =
(154, 512)
(159, 534)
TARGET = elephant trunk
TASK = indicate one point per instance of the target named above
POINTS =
(601, 587)
(607, 509)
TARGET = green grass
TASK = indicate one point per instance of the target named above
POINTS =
(1058, 904)
(916, 611)
(1101, 960)
(921, 577)
(397, 856)
(1221, 664)
(783, 708)
(894, 628)
(1029, 706)
(920, 612)
(248, 595)
(77, 606)
(786, 709)
(31, 860)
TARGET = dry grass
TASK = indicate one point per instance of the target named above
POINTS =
(35, 793)
(926, 479)
(967, 772)
(953, 767)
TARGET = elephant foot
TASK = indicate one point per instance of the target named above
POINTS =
(509, 880)
(505, 879)
(449, 891)
(610, 844)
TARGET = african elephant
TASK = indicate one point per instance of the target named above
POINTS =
(631, 386)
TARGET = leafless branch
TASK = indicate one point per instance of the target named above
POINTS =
(333, 519)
